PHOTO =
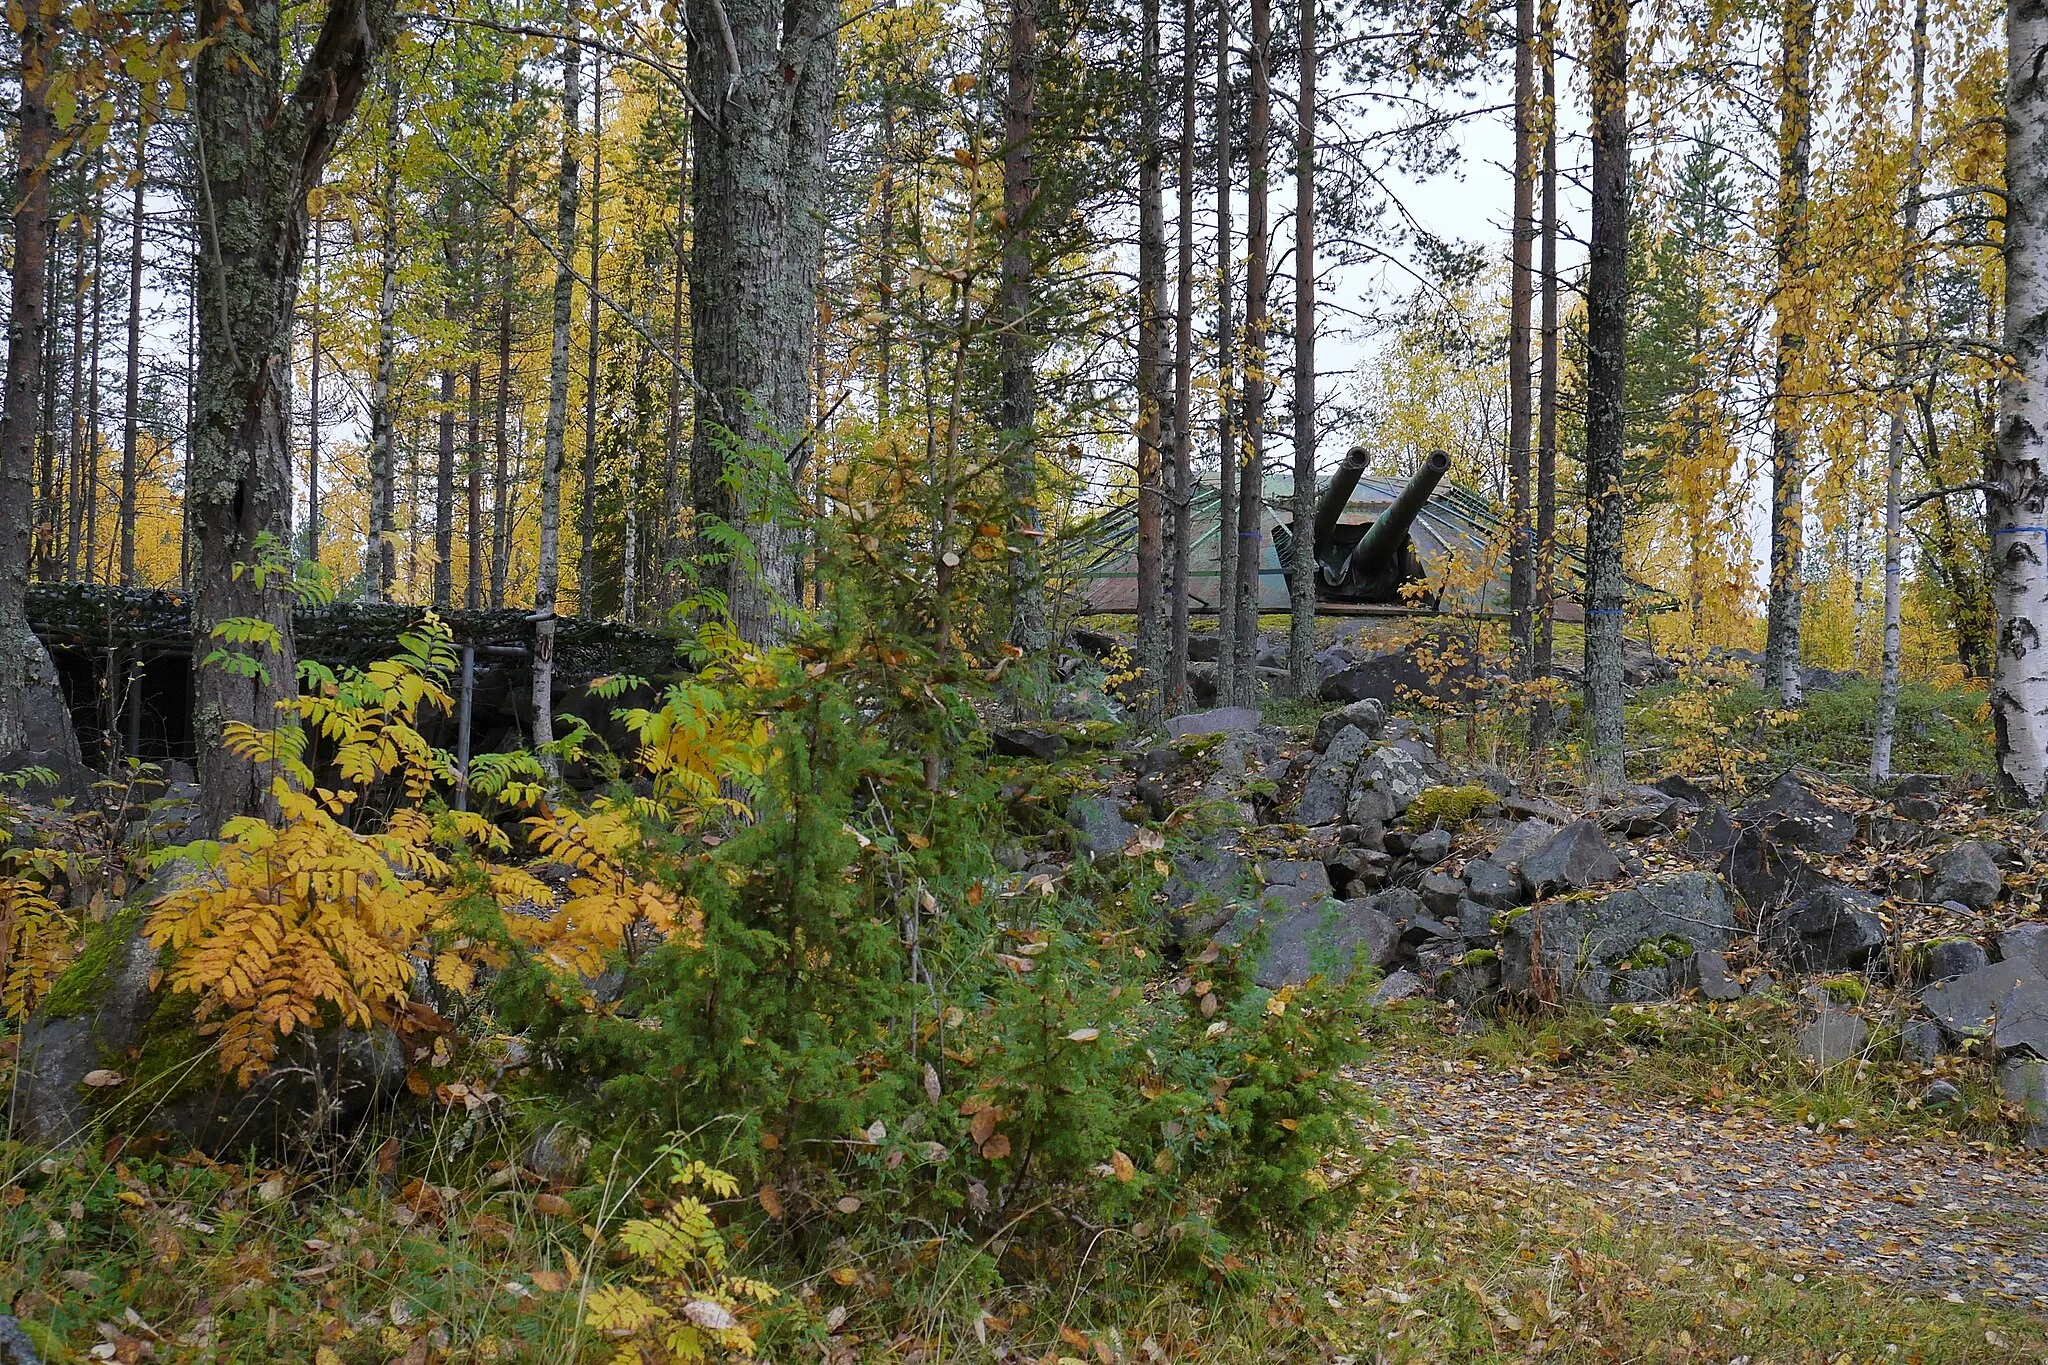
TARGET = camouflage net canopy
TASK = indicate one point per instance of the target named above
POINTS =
(157, 623)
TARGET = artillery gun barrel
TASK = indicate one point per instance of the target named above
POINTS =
(1384, 538)
(1336, 498)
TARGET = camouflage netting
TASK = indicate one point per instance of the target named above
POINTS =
(154, 622)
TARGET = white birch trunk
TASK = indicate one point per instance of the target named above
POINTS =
(2018, 507)
(1885, 726)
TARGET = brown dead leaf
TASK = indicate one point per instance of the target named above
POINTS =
(553, 1205)
(984, 1124)
(771, 1202)
(997, 1147)
(1125, 1168)
(549, 1281)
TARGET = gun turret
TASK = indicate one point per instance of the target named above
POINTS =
(1330, 556)
(1383, 540)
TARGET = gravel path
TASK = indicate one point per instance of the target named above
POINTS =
(1907, 1209)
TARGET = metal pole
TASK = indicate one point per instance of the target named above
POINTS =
(462, 728)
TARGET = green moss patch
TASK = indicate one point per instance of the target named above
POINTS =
(1449, 806)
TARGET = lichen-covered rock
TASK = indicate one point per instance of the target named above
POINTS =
(1329, 782)
(1576, 947)
(1395, 772)
(103, 1016)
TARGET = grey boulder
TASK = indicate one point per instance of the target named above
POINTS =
(1577, 947)
(1367, 715)
(1573, 859)
(1709, 975)
(1330, 938)
(1402, 985)
(1329, 782)
(2006, 1002)
(1101, 828)
(2025, 943)
(2024, 1081)
(1831, 1037)
(15, 1347)
(1293, 884)
(1952, 957)
(1966, 874)
(321, 1081)
(1222, 720)
(1491, 884)
(1832, 928)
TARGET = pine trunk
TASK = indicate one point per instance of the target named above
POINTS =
(91, 480)
(1183, 379)
(501, 427)
(473, 512)
(1301, 578)
(380, 549)
(262, 152)
(444, 495)
(74, 464)
(669, 545)
(1250, 493)
(1546, 400)
(131, 381)
(35, 726)
(1606, 369)
(1521, 566)
(586, 512)
(1226, 383)
(1788, 470)
(313, 401)
(1016, 356)
(1151, 290)
(768, 69)
(553, 439)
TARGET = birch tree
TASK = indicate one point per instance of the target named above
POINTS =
(2018, 500)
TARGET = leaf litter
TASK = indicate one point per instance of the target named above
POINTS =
(1909, 1210)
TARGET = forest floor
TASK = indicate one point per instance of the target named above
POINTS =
(1906, 1208)
(1578, 1213)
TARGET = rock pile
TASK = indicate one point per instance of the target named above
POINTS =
(1361, 848)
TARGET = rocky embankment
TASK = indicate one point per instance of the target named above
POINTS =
(1362, 846)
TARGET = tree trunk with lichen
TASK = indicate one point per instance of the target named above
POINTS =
(35, 727)
(768, 71)
(261, 150)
